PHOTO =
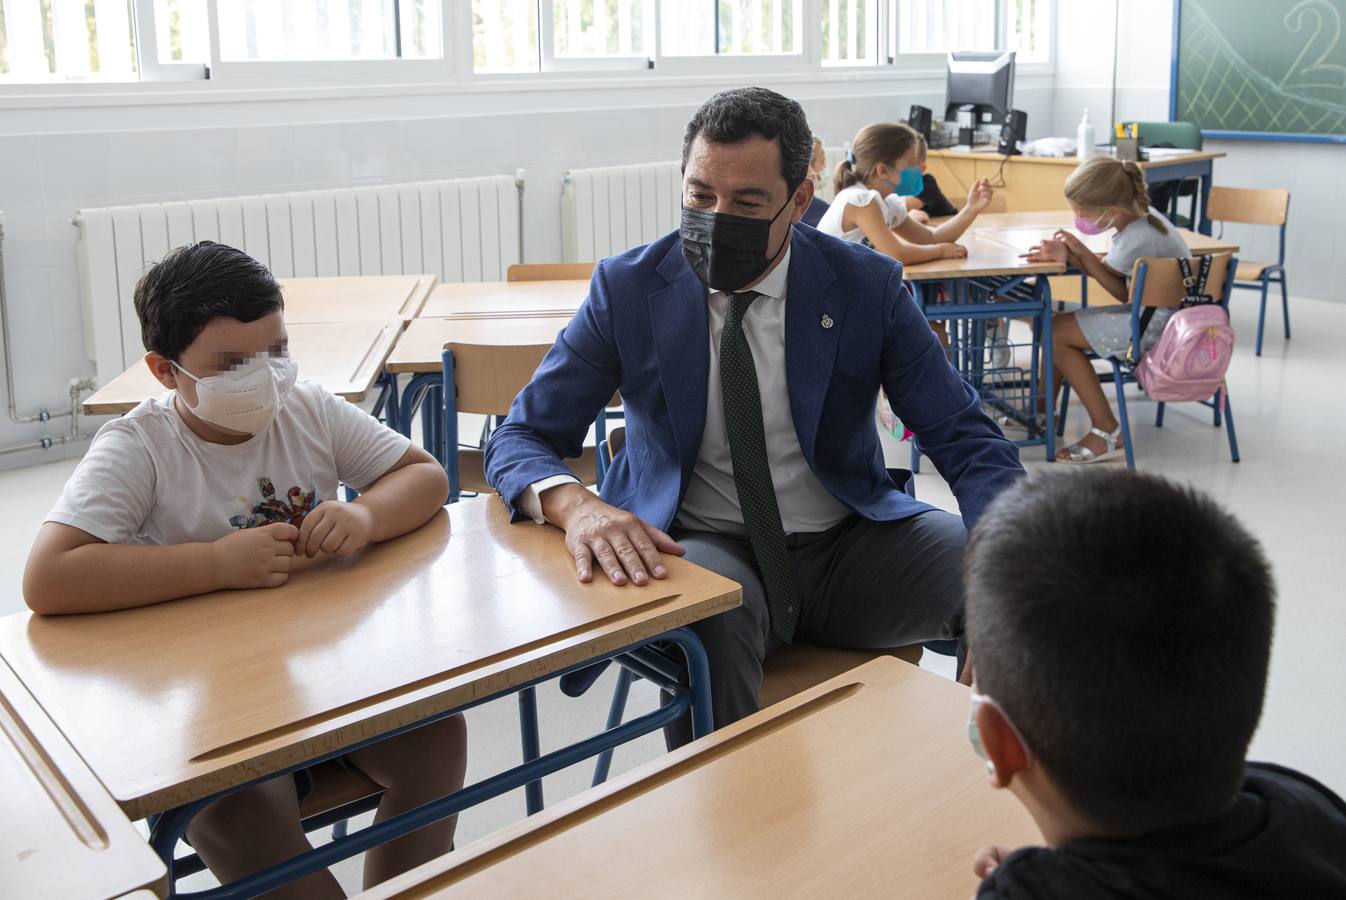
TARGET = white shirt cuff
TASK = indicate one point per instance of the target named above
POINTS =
(530, 503)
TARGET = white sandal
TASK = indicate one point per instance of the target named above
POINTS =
(1078, 453)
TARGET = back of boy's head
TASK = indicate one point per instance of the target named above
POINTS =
(193, 284)
(1123, 623)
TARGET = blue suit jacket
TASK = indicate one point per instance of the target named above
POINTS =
(644, 330)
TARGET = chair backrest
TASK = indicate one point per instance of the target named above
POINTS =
(1181, 135)
(1253, 206)
(616, 441)
(488, 377)
(1157, 281)
(550, 271)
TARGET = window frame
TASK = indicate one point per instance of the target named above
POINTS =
(550, 63)
(453, 70)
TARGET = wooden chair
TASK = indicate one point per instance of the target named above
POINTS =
(550, 271)
(484, 379)
(1254, 206)
(1157, 282)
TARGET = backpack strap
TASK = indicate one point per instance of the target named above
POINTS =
(1195, 288)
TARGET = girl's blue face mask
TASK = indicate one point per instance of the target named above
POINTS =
(909, 182)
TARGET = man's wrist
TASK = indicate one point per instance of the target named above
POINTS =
(558, 502)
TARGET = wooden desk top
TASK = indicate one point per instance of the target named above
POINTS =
(344, 357)
(1023, 230)
(61, 834)
(359, 298)
(985, 257)
(864, 786)
(1166, 159)
(174, 702)
(422, 344)
(497, 298)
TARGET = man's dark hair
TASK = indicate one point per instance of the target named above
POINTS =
(735, 115)
(1123, 623)
(193, 284)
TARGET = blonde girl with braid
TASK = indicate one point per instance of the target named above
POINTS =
(1104, 193)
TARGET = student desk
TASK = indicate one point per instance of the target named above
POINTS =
(1023, 230)
(344, 357)
(992, 283)
(863, 786)
(173, 703)
(357, 298)
(506, 298)
(1038, 182)
(62, 835)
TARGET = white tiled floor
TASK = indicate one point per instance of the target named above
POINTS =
(1289, 490)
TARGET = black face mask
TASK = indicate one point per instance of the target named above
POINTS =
(728, 252)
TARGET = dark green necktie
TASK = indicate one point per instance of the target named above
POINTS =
(752, 469)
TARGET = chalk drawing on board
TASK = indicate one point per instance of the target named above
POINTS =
(1221, 90)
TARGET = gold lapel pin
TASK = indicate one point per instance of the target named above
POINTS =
(826, 321)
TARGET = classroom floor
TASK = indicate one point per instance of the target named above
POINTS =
(1288, 490)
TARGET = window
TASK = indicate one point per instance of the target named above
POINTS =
(287, 30)
(1030, 30)
(850, 32)
(733, 27)
(42, 40)
(938, 26)
(504, 36)
(594, 29)
(279, 42)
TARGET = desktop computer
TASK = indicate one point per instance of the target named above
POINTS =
(980, 90)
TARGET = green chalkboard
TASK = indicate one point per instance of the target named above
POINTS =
(1269, 69)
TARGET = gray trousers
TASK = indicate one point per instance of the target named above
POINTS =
(864, 585)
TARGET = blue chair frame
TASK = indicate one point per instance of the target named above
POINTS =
(1123, 373)
(1272, 274)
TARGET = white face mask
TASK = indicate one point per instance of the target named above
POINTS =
(974, 733)
(246, 399)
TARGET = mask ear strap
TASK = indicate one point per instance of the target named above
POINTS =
(1014, 729)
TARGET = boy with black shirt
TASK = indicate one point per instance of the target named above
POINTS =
(1121, 627)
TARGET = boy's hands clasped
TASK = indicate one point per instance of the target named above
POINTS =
(255, 557)
(261, 557)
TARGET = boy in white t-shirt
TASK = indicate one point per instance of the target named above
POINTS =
(220, 483)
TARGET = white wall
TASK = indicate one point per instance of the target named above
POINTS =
(1315, 257)
(54, 160)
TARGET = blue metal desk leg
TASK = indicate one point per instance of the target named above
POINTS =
(1048, 379)
(1206, 178)
(531, 742)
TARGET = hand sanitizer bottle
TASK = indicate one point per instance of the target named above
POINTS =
(1084, 137)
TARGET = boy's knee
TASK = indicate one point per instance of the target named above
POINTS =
(272, 800)
(432, 754)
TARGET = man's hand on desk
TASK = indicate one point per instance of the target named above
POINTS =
(623, 545)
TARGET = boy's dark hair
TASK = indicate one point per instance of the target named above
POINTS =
(734, 115)
(198, 282)
(1123, 623)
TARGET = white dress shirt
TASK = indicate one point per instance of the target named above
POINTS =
(711, 501)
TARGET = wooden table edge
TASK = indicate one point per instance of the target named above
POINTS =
(498, 678)
(519, 836)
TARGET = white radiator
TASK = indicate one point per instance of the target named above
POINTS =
(611, 209)
(460, 230)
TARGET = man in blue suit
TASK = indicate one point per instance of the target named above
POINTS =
(749, 355)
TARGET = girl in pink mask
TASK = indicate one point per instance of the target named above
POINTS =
(1105, 194)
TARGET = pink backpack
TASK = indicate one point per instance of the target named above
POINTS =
(1190, 359)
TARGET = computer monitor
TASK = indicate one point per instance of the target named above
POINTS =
(982, 80)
